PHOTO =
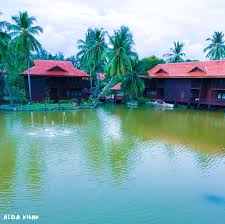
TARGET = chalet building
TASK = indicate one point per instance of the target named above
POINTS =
(117, 93)
(1, 87)
(192, 83)
(57, 80)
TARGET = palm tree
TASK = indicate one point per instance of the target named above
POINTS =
(176, 54)
(216, 48)
(92, 53)
(15, 64)
(133, 85)
(121, 52)
(23, 33)
(5, 41)
(4, 36)
(119, 55)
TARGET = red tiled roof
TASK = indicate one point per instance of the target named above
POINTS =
(55, 68)
(205, 69)
(117, 87)
(102, 76)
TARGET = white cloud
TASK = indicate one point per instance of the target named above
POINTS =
(155, 24)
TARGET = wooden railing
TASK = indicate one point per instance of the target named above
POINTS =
(219, 102)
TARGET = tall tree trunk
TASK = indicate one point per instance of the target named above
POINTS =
(29, 83)
(98, 84)
(91, 88)
(91, 84)
(97, 88)
(104, 89)
(8, 88)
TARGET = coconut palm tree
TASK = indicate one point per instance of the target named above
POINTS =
(23, 32)
(176, 53)
(216, 48)
(4, 36)
(92, 53)
(121, 52)
(5, 41)
(132, 84)
(119, 55)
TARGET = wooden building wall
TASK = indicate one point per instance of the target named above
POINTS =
(57, 87)
(38, 86)
(186, 90)
(1, 88)
(177, 90)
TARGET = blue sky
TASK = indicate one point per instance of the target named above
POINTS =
(155, 24)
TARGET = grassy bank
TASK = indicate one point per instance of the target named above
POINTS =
(47, 107)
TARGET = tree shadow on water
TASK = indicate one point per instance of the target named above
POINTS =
(215, 199)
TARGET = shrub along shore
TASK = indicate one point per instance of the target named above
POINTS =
(48, 107)
(99, 53)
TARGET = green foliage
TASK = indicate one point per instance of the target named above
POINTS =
(42, 54)
(1, 88)
(151, 62)
(23, 33)
(87, 101)
(16, 45)
(216, 48)
(132, 84)
(120, 53)
(16, 80)
(92, 54)
(191, 60)
(4, 39)
(142, 100)
(75, 61)
(92, 51)
(65, 101)
(176, 53)
(45, 55)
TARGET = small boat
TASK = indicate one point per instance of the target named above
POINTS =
(160, 104)
(132, 104)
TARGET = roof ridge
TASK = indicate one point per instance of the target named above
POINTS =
(210, 68)
(190, 62)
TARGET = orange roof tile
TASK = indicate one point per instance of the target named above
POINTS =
(55, 68)
(117, 87)
(102, 76)
(205, 69)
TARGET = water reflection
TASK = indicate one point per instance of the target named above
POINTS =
(188, 128)
(7, 173)
(7, 166)
(34, 173)
(215, 199)
(131, 154)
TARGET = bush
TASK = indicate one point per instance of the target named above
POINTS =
(65, 101)
(86, 101)
(141, 100)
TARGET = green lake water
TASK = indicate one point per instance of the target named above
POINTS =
(113, 165)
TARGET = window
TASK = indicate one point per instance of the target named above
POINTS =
(221, 95)
(161, 71)
(75, 92)
(56, 68)
(151, 92)
(196, 69)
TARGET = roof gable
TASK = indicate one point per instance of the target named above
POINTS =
(196, 69)
(55, 68)
(117, 87)
(205, 69)
(161, 70)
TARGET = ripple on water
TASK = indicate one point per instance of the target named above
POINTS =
(113, 166)
(215, 199)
